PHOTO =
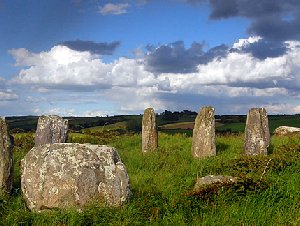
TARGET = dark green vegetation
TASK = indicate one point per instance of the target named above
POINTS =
(267, 193)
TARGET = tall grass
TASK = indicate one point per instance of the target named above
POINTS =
(161, 183)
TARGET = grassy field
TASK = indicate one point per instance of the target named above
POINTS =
(114, 126)
(234, 127)
(274, 122)
(161, 183)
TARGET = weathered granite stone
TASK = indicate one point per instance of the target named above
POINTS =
(149, 131)
(213, 179)
(51, 129)
(72, 175)
(204, 137)
(285, 130)
(257, 134)
(6, 158)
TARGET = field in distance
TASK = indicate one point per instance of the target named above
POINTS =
(169, 122)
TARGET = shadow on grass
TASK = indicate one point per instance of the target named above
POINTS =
(221, 147)
(271, 149)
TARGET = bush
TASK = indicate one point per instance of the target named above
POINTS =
(134, 125)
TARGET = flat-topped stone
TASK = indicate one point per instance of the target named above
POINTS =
(285, 130)
(210, 180)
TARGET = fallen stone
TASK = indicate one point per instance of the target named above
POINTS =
(149, 131)
(204, 137)
(67, 175)
(6, 158)
(210, 180)
(51, 129)
(285, 130)
(257, 134)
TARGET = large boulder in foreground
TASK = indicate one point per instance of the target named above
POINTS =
(285, 130)
(51, 129)
(149, 131)
(73, 175)
(204, 137)
(257, 134)
(6, 158)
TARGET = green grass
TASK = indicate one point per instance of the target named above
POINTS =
(237, 127)
(161, 182)
(274, 122)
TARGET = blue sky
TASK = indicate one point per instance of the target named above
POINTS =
(94, 57)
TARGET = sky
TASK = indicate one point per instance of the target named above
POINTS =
(112, 57)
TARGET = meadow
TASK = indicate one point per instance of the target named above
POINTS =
(267, 192)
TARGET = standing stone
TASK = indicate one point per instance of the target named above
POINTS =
(149, 131)
(64, 175)
(204, 137)
(257, 134)
(6, 158)
(51, 129)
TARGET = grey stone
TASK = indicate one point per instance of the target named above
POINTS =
(204, 137)
(66, 175)
(6, 158)
(51, 129)
(285, 130)
(257, 134)
(149, 131)
(213, 179)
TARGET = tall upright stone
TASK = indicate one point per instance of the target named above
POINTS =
(51, 129)
(6, 158)
(149, 131)
(204, 137)
(257, 134)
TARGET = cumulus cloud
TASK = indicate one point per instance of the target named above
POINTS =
(233, 81)
(64, 68)
(101, 48)
(114, 9)
(61, 67)
(262, 49)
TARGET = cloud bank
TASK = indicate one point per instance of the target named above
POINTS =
(230, 78)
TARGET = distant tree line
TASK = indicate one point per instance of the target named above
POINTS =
(176, 115)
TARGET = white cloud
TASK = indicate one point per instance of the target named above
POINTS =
(61, 66)
(96, 112)
(135, 99)
(245, 42)
(56, 111)
(236, 68)
(283, 108)
(115, 9)
(64, 68)
(8, 95)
